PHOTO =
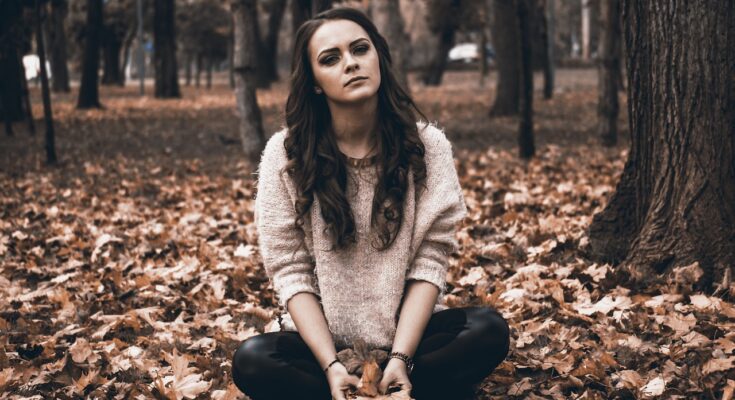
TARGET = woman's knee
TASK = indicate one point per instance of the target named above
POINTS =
(251, 353)
(492, 327)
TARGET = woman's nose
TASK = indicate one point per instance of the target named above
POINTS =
(351, 63)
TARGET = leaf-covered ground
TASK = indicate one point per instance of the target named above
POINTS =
(133, 271)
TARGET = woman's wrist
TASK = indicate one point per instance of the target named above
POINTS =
(331, 364)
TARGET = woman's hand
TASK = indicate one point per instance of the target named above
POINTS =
(340, 380)
(395, 374)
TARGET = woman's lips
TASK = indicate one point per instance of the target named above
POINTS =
(357, 79)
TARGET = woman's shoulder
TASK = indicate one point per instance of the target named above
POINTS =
(434, 139)
(274, 153)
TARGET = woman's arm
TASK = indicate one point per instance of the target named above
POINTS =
(309, 319)
(415, 314)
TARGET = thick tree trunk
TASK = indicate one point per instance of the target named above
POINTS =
(57, 47)
(675, 203)
(164, 54)
(111, 73)
(270, 44)
(47, 113)
(609, 71)
(526, 147)
(506, 39)
(11, 86)
(245, 64)
(386, 14)
(89, 88)
(445, 31)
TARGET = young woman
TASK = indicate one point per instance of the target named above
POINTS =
(356, 210)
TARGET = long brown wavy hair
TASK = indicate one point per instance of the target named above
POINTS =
(314, 161)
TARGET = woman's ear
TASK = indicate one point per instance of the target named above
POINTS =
(317, 90)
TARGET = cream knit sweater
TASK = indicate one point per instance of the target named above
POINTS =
(360, 288)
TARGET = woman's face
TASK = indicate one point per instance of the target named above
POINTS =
(345, 62)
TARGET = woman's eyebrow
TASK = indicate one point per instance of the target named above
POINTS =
(334, 48)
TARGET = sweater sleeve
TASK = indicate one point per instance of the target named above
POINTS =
(287, 262)
(439, 210)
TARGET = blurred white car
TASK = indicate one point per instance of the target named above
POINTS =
(32, 66)
(469, 53)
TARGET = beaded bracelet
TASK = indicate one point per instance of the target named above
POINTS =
(405, 358)
(330, 364)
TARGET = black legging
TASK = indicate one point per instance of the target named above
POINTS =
(459, 348)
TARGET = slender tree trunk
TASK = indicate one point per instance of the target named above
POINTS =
(546, 16)
(164, 54)
(47, 113)
(89, 88)
(127, 44)
(187, 69)
(609, 71)
(446, 30)
(199, 66)
(586, 11)
(57, 47)
(277, 8)
(675, 202)
(231, 61)
(209, 72)
(6, 119)
(526, 148)
(111, 73)
(251, 125)
(507, 49)
(26, 95)
(386, 14)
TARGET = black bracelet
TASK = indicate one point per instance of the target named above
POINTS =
(405, 358)
(330, 364)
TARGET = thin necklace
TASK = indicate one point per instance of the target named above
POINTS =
(362, 162)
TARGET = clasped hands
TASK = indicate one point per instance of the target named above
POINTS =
(394, 375)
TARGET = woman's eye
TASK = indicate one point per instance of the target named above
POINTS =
(361, 49)
(329, 60)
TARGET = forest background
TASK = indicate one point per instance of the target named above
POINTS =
(594, 140)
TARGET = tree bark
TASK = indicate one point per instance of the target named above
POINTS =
(187, 69)
(164, 54)
(270, 44)
(545, 16)
(199, 62)
(111, 47)
(245, 65)
(609, 71)
(675, 202)
(57, 47)
(526, 148)
(47, 113)
(11, 86)
(506, 38)
(210, 65)
(89, 87)
(586, 11)
(446, 28)
(386, 15)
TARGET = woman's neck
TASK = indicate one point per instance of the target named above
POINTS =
(354, 127)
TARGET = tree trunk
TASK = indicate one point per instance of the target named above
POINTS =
(89, 88)
(199, 66)
(447, 27)
(546, 18)
(127, 44)
(47, 113)
(245, 64)
(210, 64)
(164, 54)
(586, 8)
(57, 47)
(270, 64)
(675, 202)
(11, 86)
(506, 39)
(187, 69)
(111, 46)
(609, 71)
(386, 14)
(526, 148)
